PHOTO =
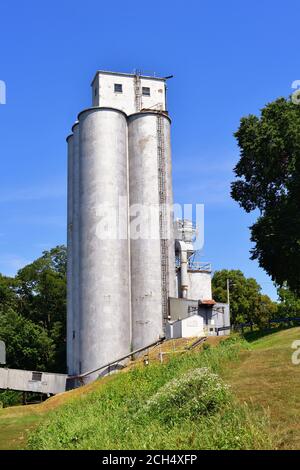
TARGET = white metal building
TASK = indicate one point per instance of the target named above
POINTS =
(30, 381)
(189, 327)
(128, 92)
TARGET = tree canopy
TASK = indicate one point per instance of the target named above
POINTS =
(33, 313)
(268, 180)
(247, 303)
(28, 346)
(289, 305)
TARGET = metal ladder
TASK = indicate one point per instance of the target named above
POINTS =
(137, 91)
(164, 249)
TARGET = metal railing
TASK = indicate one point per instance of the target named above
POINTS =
(197, 343)
(194, 265)
(115, 362)
(199, 266)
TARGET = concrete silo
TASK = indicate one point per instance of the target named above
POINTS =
(73, 270)
(70, 257)
(75, 249)
(151, 251)
(120, 157)
(104, 257)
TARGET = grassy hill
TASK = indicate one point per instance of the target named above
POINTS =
(266, 377)
(182, 404)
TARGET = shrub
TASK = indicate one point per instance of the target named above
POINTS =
(195, 393)
(10, 398)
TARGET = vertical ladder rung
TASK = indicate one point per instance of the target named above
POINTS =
(162, 217)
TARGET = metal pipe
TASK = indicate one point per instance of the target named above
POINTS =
(184, 279)
(132, 353)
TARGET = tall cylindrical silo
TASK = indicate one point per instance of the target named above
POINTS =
(165, 156)
(75, 249)
(151, 257)
(70, 356)
(104, 255)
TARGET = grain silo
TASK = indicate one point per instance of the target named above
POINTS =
(70, 309)
(104, 261)
(151, 256)
(120, 279)
(75, 248)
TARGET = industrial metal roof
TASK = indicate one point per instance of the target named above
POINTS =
(123, 74)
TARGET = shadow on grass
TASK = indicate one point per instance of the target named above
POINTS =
(251, 336)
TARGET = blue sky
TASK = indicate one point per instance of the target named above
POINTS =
(228, 59)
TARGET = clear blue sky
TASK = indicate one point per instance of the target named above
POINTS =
(228, 58)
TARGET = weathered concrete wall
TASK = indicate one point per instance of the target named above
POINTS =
(76, 250)
(179, 308)
(190, 327)
(117, 282)
(103, 93)
(221, 314)
(70, 289)
(104, 259)
(146, 290)
(199, 285)
(169, 225)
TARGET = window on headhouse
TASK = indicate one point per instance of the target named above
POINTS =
(118, 88)
(37, 376)
(146, 91)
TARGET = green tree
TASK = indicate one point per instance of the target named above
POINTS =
(41, 292)
(289, 305)
(28, 345)
(268, 180)
(8, 297)
(41, 288)
(247, 304)
(264, 310)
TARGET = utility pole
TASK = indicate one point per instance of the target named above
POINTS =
(228, 294)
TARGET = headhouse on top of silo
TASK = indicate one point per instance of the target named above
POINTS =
(130, 93)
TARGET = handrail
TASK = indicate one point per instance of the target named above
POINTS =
(116, 361)
(199, 265)
(196, 343)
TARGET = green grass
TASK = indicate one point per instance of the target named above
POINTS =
(118, 414)
(15, 426)
(261, 410)
(265, 378)
(274, 338)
